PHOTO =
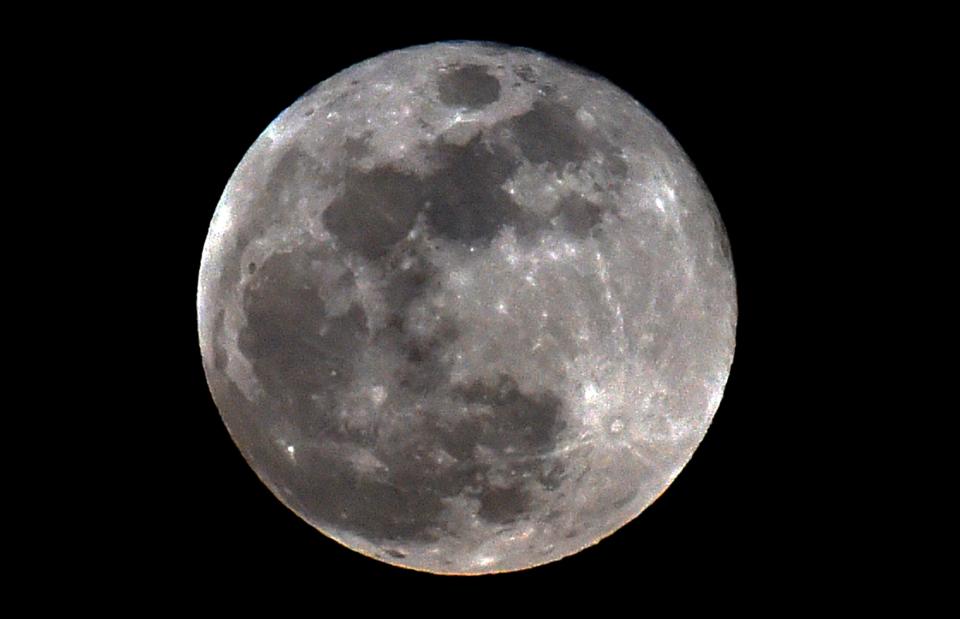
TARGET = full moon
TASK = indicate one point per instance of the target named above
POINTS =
(466, 308)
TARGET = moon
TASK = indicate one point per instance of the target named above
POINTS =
(466, 308)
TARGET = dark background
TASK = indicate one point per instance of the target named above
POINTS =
(751, 509)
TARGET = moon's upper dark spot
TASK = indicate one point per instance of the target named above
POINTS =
(467, 200)
(469, 86)
(550, 132)
(377, 209)
(464, 199)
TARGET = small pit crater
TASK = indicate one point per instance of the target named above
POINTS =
(550, 133)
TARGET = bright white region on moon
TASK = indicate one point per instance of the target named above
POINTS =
(465, 308)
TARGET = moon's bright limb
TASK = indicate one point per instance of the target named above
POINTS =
(466, 308)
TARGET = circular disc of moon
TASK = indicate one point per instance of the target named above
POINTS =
(466, 308)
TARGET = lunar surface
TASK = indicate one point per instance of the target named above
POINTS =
(466, 308)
